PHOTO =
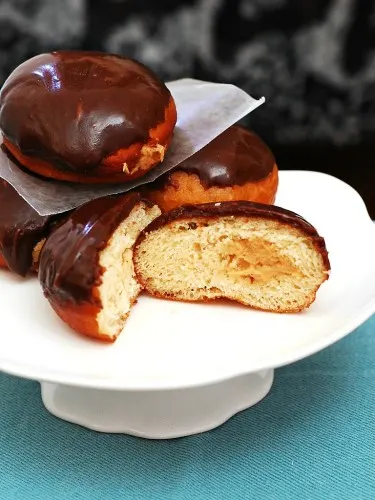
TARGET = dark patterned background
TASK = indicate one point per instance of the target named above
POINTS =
(314, 61)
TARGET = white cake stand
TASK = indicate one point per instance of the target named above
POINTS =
(178, 369)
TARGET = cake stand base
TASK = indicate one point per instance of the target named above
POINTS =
(162, 414)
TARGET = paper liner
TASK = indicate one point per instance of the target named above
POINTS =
(204, 111)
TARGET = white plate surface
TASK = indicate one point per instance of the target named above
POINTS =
(173, 345)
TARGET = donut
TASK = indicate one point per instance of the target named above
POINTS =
(235, 166)
(259, 255)
(22, 231)
(86, 269)
(86, 117)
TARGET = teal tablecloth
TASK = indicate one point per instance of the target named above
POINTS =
(312, 438)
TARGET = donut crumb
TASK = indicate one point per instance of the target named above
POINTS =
(119, 288)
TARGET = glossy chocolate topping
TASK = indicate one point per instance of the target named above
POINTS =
(235, 157)
(238, 209)
(21, 228)
(74, 108)
(69, 266)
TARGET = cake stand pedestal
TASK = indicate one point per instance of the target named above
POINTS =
(161, 414)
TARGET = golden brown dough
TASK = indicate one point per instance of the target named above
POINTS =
(236, 165)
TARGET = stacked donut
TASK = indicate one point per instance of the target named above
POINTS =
(203, 230)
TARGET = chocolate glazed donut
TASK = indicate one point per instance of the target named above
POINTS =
(260, 255)
(235, 166)
(86, 117)
(22, 231)
(86, 268)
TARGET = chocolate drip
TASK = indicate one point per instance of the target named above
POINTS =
(74, 108)
(21, 228)
(69, 266)
(235, 157)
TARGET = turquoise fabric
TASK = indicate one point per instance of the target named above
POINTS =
(312, 438)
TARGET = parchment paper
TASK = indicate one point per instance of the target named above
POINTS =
(204, 111)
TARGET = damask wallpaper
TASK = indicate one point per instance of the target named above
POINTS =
(314, 60)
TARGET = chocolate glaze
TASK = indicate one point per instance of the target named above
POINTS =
(21, 228)
(74, 108)
(237, 209)
(69, 266)
(235, 157)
